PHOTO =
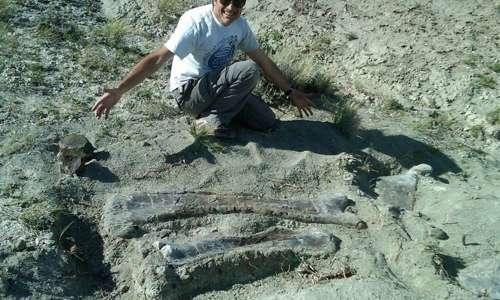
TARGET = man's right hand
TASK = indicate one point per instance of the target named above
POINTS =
(147, 66)
(106, 102)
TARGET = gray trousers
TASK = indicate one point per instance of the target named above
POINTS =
(225, 95)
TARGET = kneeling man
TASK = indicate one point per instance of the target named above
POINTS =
(202, 79)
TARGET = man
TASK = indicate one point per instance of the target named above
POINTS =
(202, 81)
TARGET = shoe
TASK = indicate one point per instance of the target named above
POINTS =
(205, 128)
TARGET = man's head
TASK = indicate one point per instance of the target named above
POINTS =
(227, 11)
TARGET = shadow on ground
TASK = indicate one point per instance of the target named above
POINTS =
(95, 171)
(66, 273)
(323, 138)
(452, 265)
(407, 151)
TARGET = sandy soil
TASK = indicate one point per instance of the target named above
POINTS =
(263, 211)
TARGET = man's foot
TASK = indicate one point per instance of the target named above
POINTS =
(206, 128)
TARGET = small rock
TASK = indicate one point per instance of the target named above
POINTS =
(158, 245)
(167, 250)
(74, 150)
(496, 134)
(395, 212)
(438, 233)
(398, 190)
(160, 270)
(20, 245)
(144, 253)
(430, 102)
(422, 170)
(126, 231)
(184, 274)
(361, 225)
(320, 13)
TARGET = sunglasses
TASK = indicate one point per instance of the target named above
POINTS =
(237, 3)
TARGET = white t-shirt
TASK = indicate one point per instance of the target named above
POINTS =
(202, 44)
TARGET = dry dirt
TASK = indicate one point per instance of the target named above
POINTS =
(406, 207)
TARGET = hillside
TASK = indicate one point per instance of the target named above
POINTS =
(389, 191)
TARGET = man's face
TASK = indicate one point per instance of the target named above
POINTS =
(228, 11)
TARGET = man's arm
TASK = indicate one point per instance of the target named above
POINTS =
(143, 69)
(299, 99)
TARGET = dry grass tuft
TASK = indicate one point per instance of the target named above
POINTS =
(493, 117)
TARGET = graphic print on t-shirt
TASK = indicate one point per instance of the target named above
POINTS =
(223, 53)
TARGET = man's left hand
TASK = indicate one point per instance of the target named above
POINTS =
(302, 102)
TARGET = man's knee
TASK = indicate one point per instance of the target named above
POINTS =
(248, 70)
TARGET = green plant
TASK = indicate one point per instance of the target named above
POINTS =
(344, 116)
(470, 60)
(72, 33)
(207, 142)
(126, 55)
(197, 133)
(91, 59)
(270, 41)
(8, 42)
(359, 86)
(3, 32)
(493, 117)
(110, 128)
(46, 111)
(69, 107)
(167, 7)
(486, 81)
(47, 31)
(304, 74)
(74, 105)
(437, 126)
(321, 43)
(392, 104)
(145, 92)
(99, 59)
(325, 40)
(113, 33)
(495, 67)
(276, 35)
(477, 131)
(6, 9)
(36, 73)
(41, 215)
(9, 189)
(94, 59)
(56, 29)
(116, 122)
(16, 143)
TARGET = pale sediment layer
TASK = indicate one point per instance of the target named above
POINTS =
(264, 219)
